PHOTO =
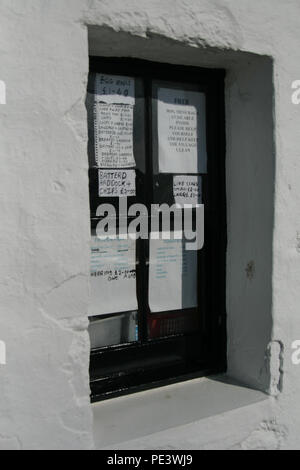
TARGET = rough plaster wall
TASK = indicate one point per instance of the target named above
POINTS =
(44, 204)
(44, 227)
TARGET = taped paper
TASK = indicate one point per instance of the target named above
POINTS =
(113, 276)
(113, 133)
(116, 183)
(172, 275)
(115, 89)
(181, 131)
(187, 189)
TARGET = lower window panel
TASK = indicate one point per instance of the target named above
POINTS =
(113, 329)
(127, 369)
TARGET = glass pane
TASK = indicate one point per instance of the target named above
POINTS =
(116, 128)
(113, 330)
(168, 324)
(116, 141)
(173, 273)
(113, 276)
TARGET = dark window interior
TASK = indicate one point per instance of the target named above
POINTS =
(143, 347)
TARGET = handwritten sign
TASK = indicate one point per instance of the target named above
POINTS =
(113, 129)
(113, 276)
(181, 131)
(115, 89)
(116, 183)
(187, 189)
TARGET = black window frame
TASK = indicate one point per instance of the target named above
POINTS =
(131, 367)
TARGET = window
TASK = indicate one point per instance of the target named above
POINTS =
(156, 136)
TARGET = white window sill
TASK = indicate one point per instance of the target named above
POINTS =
(125, 422)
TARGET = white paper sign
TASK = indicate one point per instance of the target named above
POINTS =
(113, 133)
(181, 131)
(187, 189)
(114, 89)
(172, 276)
(113, 276)
(116, 183)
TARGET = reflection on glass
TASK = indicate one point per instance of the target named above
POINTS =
(113, 330)
(168, 324)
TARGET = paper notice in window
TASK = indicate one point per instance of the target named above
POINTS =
(172, 276)
(113, 134)
(181, 131)
(116, 183)
(113, 276)
(187, 189)
(115, 89)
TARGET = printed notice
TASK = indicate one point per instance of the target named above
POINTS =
(113, 133)
(113, 276)
(115, 89)
(181, 131)
(187, 189)
(172, 276)
(116, 183)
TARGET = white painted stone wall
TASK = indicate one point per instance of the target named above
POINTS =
(44, 236)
